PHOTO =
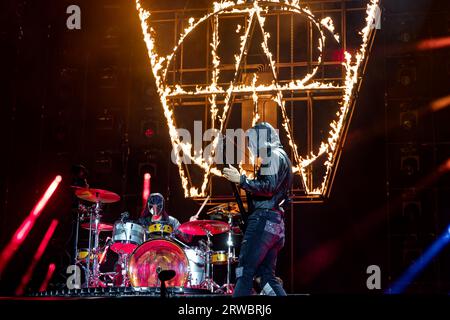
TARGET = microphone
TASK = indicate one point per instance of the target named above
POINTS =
(164, 275)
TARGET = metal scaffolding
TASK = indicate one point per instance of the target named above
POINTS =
(293, 43)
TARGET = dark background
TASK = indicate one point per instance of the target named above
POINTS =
(85, 96)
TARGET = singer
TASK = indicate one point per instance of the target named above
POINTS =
(267, 192)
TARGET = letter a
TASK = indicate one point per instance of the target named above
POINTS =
(74, 20)
(374, 281)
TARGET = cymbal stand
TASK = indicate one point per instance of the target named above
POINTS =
(228, 287)
(123, 260)
(208, 283)
(88, 260)
(94, 274)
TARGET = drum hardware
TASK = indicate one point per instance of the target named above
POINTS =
(101, 226)
(98, 197)
(208, 228)
(103, 255)
(208, 283)
(219, 257)
(228, 287)
(196, 258)
(202, 227)
(127, 236)
(226, 209)
(139, 257)
(82, 254)
(158, 253)
(93, 279)
(123, 262)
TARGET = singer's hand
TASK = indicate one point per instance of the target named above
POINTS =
(232, 174)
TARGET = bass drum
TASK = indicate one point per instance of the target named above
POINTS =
(158, 254)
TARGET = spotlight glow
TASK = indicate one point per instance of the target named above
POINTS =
(26, 226)
(36, 258)
(420, 264)
(146, 188)
(48, 277)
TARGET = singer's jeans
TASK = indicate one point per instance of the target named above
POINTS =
(263, 239)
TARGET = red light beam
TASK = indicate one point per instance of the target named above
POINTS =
(37, 256)
(26, 226)
(432, 44)
(48, 276)
(146, 188)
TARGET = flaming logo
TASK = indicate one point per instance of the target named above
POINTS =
(256, 13)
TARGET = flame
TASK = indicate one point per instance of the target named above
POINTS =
(160, 67)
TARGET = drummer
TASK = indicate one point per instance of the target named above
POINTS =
(155, 211)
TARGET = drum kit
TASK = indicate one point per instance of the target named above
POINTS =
(144, 251)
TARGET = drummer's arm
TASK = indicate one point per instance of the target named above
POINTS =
(177, 233)
(176, 223)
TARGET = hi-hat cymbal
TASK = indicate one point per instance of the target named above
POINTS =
(227, 209)
(101, 226)
(199, 227)
(96, 195)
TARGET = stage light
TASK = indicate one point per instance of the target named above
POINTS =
(22, 232)
(111, 37)
(407, 75)
(104, 121)
(433, 44)
(149, 128)
(48, 276)
(146, 188)
(420, 264)
(405, 31)
(408, 120)
(47, 195)
(109, 77)
(36, 258)
(440, 103)
(103, 162)
(410, 165)
(149, 132)
(446, 166)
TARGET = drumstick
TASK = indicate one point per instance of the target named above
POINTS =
(201, 208)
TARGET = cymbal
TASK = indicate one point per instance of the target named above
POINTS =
(227, 209)
(199, 227)
(101, 226)
(96, 195)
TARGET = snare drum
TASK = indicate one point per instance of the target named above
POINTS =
(127, 236)
(161, 229)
